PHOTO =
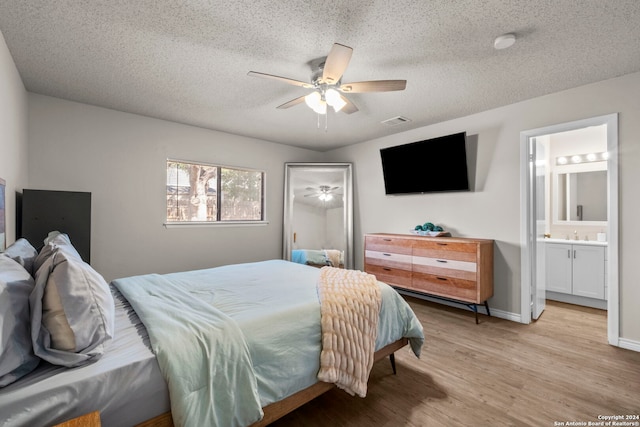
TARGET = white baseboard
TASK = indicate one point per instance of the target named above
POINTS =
(629, 344)
(507, 315)
(578, 300)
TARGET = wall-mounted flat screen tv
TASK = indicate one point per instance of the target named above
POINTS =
(433, 165)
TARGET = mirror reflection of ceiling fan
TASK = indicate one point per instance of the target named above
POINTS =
(322, 192)
(326, 82)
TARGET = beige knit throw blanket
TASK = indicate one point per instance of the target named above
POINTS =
(349, 306)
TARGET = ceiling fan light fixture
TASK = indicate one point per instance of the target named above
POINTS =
(321, 108)
(316, 103)
(313, 100)
(334, 99)
(326, 83)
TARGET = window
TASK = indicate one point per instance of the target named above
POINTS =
(213, 194)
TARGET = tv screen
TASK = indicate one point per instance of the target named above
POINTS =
(432, 165)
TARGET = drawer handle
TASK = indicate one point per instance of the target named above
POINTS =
(387, 240)
(442, 260)
(386, 254)
(386, 268)
(442, 244)
(442, 278)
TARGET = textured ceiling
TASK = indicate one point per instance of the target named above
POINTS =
(187, 61)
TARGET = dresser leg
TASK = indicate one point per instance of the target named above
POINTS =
(486, 305)
(392, 359)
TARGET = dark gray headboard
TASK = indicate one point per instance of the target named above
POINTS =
(66, 211)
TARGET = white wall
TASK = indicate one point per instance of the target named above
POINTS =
(13, 135)
(492, 210)
(120, 158)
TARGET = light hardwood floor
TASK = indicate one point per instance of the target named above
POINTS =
(497, 373)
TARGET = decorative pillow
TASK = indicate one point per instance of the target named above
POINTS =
(22, 252)
(72, 311)
(16, 351)
(54, 240)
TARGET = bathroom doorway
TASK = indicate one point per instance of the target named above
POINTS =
(569, 211)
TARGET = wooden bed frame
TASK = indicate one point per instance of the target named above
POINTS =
(281, 408)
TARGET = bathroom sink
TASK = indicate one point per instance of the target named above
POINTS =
(573, 241)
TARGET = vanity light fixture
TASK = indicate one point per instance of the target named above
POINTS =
(583, 158)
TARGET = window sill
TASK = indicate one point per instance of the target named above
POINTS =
(195, 224)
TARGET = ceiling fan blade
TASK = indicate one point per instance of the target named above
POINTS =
(281, 79)
(336, 63)
(349, 107)
(293, 102)
(374, 86)
(312, 195)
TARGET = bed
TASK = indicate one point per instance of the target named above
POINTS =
(318, 257)
(273, 303)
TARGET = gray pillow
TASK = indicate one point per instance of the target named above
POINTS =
(73, 312)
(16, 351)
(54, 240)
(22, 252)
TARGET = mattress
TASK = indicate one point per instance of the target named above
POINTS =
(125, 385)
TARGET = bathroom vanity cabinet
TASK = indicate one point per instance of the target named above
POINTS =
(576, 269)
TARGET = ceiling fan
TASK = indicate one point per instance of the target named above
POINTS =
(322, 192)
(326, 82)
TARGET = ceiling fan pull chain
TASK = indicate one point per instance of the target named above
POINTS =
(326, 121)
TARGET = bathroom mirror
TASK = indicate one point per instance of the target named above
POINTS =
(581, 196)
(318, 213)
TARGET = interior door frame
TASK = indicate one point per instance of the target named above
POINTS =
(526, 215)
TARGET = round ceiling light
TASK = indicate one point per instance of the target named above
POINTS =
(504, 41)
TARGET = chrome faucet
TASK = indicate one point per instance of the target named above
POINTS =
(575, 235)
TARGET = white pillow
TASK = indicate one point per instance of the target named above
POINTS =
(54, 240)
(22, 252)
(72, 311)
(16, 351)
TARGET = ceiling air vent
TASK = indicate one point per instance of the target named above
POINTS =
(393, 121)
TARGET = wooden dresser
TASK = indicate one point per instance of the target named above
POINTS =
(452, 268)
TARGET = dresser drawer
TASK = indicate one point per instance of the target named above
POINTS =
(449, 251)
(442, 244)
(389, 275)
(449, 287)
(455, 269)
(388, 258)
(388, 244)
(448, 264)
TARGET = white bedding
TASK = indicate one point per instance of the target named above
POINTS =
(275, 305)
(125, 384)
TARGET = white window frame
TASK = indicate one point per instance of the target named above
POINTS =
(221, 223)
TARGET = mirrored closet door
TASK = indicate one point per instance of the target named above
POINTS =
(318, 214)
